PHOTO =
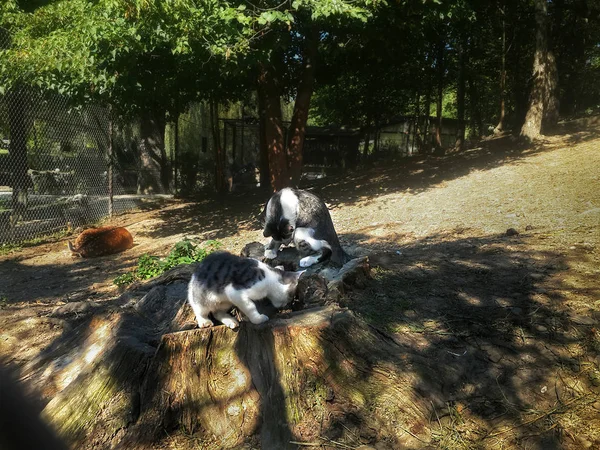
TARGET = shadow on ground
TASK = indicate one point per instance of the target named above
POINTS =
(492, 316)
(480, 324)
(70, 282)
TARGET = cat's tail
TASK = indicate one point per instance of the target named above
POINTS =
(340, 256)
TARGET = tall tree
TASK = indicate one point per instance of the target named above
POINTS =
(297, 130)
(273, 127)
(460, 92)
(440, 70)
(500, 127)
(542, 100)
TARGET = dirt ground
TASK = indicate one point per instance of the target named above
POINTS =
(512, 319)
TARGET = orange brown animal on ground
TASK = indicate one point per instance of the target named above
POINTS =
(102, 241)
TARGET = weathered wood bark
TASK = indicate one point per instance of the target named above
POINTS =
(131, 379)
(543, 104)
(301, 107)
(98, 368)
(154, 175)
(268, 88)
(551, 106)
(290, 381)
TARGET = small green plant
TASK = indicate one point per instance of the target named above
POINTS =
(125, 279)
(184, 252)
(149, 267)
(3, 301)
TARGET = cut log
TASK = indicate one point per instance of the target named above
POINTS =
(295, 379)
(132, 379)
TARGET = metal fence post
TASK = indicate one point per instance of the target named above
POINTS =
(110, 163)
(176, 153)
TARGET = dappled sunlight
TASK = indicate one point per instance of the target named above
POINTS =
(487, 328)
(504, 347)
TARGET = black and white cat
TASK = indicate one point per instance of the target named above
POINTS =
(223, 280)
(299, 216)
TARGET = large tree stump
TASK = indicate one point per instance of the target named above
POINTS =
(294, 379)
(132, 379)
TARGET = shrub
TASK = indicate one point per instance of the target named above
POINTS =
(184, 252)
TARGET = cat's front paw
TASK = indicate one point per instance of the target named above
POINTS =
(270, 254)
(230, 323)
(261, 318)
(205, 323)
(308, 261)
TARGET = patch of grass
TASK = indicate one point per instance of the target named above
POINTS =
(184, 252)
(451, 434)
(8, 248)
(125, 279)
(3, 301)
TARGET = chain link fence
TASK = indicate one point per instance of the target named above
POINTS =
(56, 169)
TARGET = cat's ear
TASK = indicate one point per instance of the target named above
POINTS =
(280, 267)
(291, 277)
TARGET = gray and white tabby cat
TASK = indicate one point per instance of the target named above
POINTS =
(223, 280)
(299, 216)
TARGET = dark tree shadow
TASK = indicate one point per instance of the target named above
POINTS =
(491, 316)
(255, 346)
(482, 323)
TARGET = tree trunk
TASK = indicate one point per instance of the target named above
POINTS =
(427, 125)
(416, 137)
(219, 154)
(551, 106)
(301, 107)
(460, 94)
(440, 94)
(278, 168)
(376, 142)
(541, 100)
(476, 117)
(500, 127)
(154, 175)
(265, 174)
(255, 384)
(19, 122)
